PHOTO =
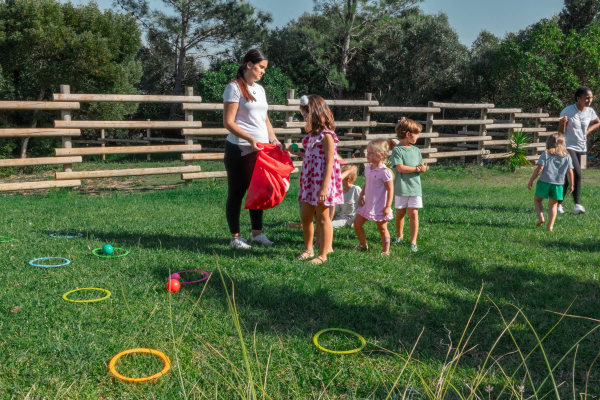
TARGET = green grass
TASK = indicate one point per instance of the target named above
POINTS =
(477, 228)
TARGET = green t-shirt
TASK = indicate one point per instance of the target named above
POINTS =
(407, 184)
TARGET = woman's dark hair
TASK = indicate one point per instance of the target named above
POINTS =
(582, 91)
(254, 56)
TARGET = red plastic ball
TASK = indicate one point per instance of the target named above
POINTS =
(173, 286)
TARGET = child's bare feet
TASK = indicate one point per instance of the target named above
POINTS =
(295, 226)
(540, 222)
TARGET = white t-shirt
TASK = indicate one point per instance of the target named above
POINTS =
(577, 125)
(251, 116)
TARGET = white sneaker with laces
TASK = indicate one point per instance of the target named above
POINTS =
(240, 243)
(262, 239)
(578, 209)
(560, 209)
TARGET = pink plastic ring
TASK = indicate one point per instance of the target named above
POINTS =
(193, 270)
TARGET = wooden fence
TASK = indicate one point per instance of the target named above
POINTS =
(480, 136)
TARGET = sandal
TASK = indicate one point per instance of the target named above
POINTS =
(305, 255)
(317, 260)
(360, 247)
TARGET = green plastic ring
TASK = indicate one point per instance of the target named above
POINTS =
(97, 252)
(66, 298)
(9, 239)
(362, 341)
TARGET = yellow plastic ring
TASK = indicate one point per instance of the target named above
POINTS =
(113, 361)
(362, 341)
(66, 298)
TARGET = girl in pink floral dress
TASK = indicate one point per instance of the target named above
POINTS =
(320, 178)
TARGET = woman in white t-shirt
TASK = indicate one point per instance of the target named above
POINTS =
(245, 117)
(576, 122)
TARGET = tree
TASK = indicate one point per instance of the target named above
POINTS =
(416, 60)
(546, 67)
(213, 83)
(577, 14)
(199, 29)
(479, 83)
(44, 43)
(285, 49)
(348, 28)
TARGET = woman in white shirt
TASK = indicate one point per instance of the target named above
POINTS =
(576, 122)
(245, 117)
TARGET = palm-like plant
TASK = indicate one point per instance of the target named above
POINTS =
(517, 152)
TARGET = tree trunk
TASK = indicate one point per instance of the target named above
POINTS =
(33, 125)
(345, 56)
(180, 69)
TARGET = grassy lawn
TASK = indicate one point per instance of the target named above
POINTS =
(477, 231)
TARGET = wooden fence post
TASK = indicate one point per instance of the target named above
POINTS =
(65, 115)
(189, 116)
(482, 131)
(148, 136)
(429, 127)
(511, 120)
(102, 136)
(289, 115)
(365, 130)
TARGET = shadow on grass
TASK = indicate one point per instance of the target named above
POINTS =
(587, 245)
(200, 244)
(525, 209)
(397, 315)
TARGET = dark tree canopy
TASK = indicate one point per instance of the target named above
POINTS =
(577, 14)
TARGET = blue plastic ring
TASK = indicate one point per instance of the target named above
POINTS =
(66, 235)
(32, 262)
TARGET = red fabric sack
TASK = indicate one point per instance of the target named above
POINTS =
(270, 179)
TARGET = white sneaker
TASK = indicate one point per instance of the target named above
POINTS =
(262, 239)
(240, 243)
(560, 209)
(578, 209)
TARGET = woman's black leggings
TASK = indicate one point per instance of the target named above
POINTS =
(239, 174)
(576, 158)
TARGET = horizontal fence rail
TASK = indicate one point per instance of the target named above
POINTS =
(481, 137)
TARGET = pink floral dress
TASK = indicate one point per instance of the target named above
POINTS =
(313, 166)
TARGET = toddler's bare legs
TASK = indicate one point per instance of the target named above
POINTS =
(552, 207)
(413, 214)
(385, 236)
(359, 221)
(400, 222)
(539, 209)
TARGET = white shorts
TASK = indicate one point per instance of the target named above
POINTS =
(409, 201)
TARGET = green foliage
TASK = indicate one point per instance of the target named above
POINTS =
(577, 14)
(416, 60)
(44, 43)
(518, 154)
(192, 30)
(213, 83)
(544, 66)
(344, 29)
(284, 47)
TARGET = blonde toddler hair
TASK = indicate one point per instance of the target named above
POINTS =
(555, 145)
(352, 176)
(381, 146)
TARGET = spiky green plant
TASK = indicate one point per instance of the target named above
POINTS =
(517, 152)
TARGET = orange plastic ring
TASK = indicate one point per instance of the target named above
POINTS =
(113, 361)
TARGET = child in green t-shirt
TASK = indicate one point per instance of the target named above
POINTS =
(407, 160)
